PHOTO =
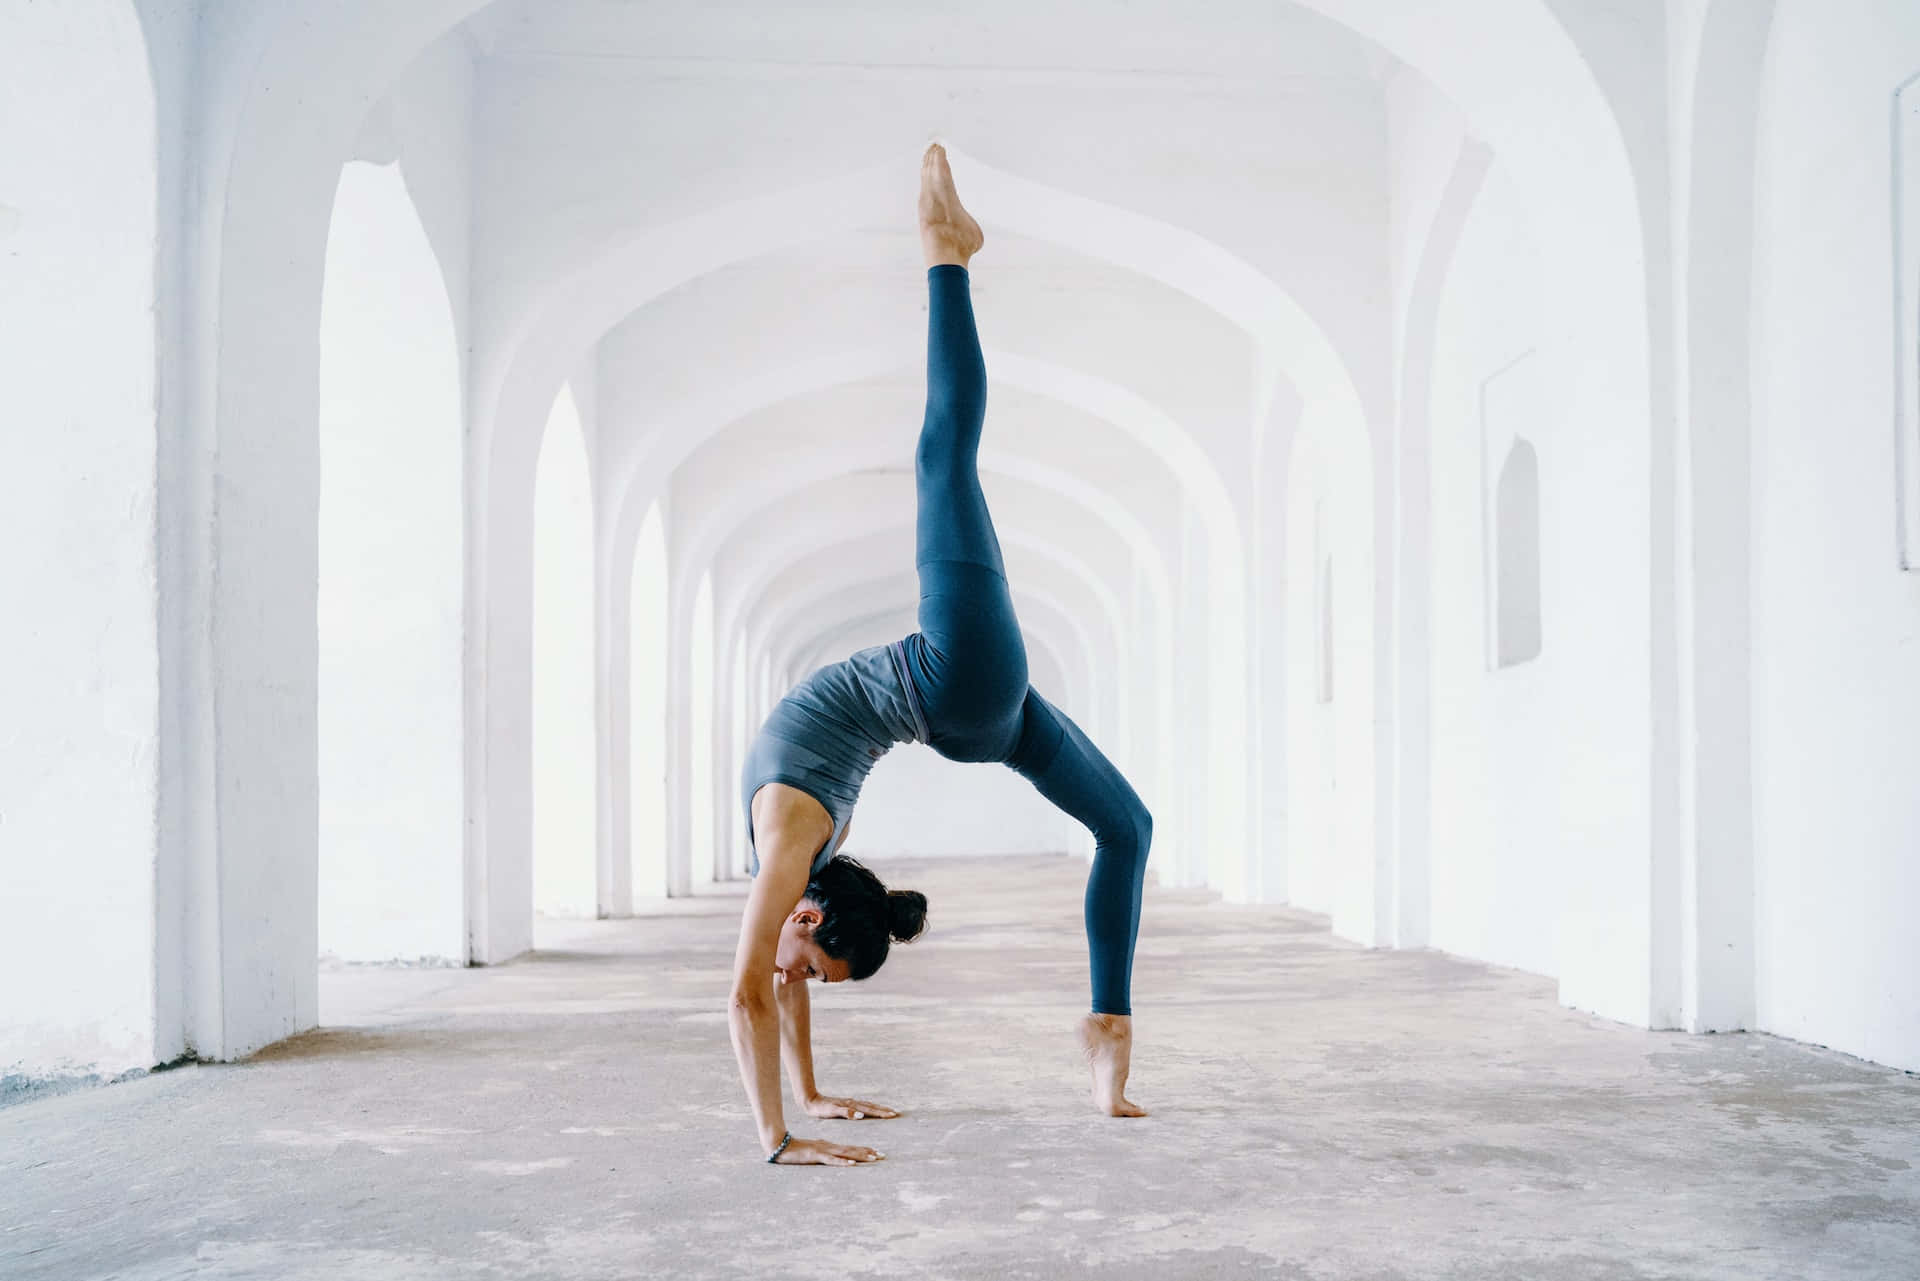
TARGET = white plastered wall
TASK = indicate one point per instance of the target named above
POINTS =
(1498, 848)
(79, 756)
(1836, 685)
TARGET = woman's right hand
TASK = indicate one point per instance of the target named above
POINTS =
(821, 1152)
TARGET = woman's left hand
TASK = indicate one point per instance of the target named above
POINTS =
(827, 1107)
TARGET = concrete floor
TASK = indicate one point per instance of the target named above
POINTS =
(1319, 1111)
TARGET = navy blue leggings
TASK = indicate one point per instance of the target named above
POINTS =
(969, 663)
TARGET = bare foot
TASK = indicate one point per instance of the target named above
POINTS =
(1107, 1040)
(948, 233)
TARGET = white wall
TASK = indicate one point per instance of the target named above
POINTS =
(79, 685)
(1497, 822)
(1837, 624)
(918, 803)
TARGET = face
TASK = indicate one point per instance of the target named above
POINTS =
(798, 958)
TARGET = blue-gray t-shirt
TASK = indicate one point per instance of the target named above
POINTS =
(826, 734)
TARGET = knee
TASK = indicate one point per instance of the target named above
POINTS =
(941, 449)
(1142, 830)
(1131, 835)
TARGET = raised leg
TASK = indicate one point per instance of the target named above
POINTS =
(1057, 757)
(953, 524)
(968, 660)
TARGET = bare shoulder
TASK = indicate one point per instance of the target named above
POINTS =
(788, 827)
(786, 819)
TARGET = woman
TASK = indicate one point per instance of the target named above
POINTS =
(959, 684)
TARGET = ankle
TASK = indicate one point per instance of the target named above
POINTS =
(941, 252)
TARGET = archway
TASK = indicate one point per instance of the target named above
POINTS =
(391, 566)
(565, 878)
(648, 723)
(277, 149)
(703, 854)
(734, 858)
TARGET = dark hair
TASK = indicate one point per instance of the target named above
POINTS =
(858, 914)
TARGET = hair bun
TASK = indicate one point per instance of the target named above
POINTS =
(906, 914)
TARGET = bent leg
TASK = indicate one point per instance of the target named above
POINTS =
(1061, 761)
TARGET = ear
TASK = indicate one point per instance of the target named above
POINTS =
(807, 916)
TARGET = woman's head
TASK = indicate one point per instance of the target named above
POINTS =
(844, 925)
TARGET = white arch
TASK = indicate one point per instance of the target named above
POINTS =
(1049, 649)
(941, 793)
(391, 733)
(581, 307)
(647, 724)
(814, 556)
(830, 563)
(738, 736)
(564, 869)
(784, 605)
(1228, 764)
(584, 303)
(268, 166)
(703, 849)
(1054, 640)
(813, 517)
(817, 622)
(279, 95)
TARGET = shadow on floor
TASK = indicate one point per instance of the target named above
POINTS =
(356, 1042)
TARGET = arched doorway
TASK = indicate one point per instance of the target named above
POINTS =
(648, 699)
(391, 573)
(704, 856)
(565, 879)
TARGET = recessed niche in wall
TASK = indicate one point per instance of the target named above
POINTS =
(1517, 555)
(1511, 398)
(1906, 256)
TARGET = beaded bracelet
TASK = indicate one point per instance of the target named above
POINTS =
(784, 1140)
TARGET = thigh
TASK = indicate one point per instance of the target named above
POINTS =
(966, 614)
(969, 666)
(1057, 757)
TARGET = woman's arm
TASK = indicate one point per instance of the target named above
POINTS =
(796, 1050)
(750, 1010)
(796, 1038)
(785, 837)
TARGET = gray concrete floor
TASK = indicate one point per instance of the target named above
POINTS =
(1319, 1111)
